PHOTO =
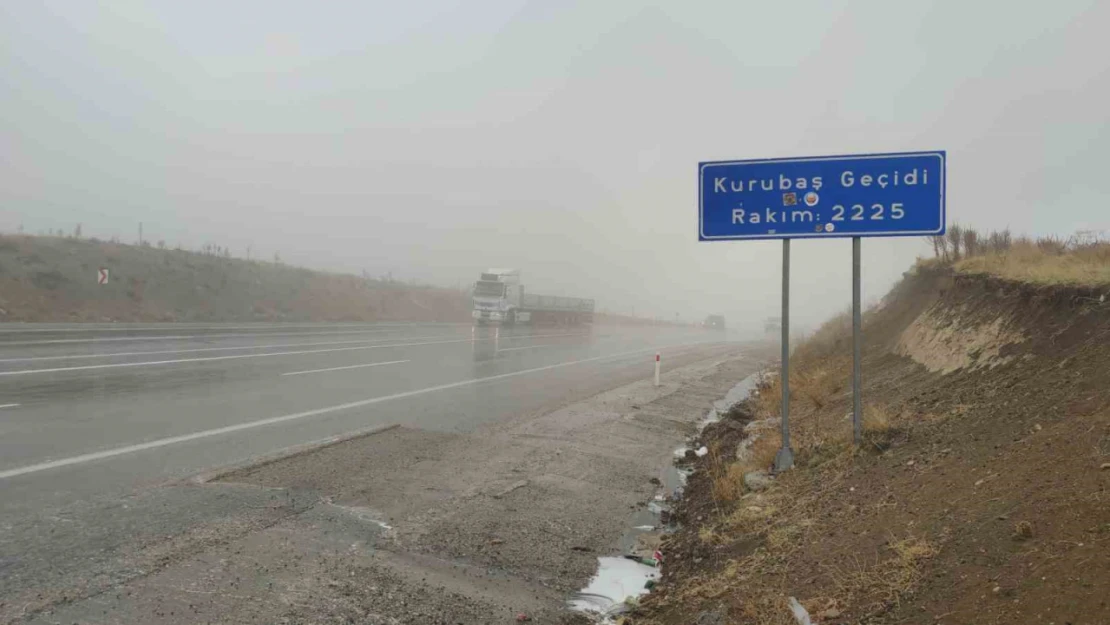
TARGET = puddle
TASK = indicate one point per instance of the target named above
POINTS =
(649, 519)
(617, 579)
(643, 521)
(364, 514)
(738, 393)
(673, 479)
(683, 475)
(735, 395)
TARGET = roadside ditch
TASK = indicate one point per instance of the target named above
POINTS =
(621, 580)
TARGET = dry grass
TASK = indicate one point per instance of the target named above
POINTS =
(761, 452)
(727, 477)
(723, 582)
(813, 386)
(1045, 262)
(767, 403)
(818, 389)
(834, 336)
(885, 580)
(819, 385)
(781, 537)
(708, 534)
(749, 518)
(876, 419)
(1083, 259)
(819, 395)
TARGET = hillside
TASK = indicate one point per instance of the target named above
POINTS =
(980, 495)
(55, 279)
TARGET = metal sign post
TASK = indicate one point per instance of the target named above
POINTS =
(869, 195)
(857, 325)
(784, 459)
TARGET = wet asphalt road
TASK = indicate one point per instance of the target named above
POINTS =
(92, 411)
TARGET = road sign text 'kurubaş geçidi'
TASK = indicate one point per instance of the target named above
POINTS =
(826, 196)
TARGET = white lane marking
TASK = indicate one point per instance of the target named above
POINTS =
(239, 348)
(513, 349)
(207, 349)
(185, 337)
(9, 405)
(369, 364)
(149, 363)
(173, 440)
(196, 326)
(117, 365)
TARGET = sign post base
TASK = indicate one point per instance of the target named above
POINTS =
(784, 459)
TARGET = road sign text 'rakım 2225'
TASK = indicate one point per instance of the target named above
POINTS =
(870, 195)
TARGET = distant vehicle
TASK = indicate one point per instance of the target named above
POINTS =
(772, 326)
(715, 322)
(499, 298)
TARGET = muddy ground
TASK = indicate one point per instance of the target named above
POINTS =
(405, 526)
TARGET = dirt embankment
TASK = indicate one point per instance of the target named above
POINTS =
(55, 279)
(981, 494)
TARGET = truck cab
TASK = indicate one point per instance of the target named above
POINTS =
(497, 297)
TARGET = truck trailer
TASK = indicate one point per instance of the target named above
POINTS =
(500, 298)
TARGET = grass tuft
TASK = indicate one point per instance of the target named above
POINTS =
(727, 478)
(1023, 530)
(876, 419)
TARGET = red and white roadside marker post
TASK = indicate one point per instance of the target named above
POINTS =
(657, 368)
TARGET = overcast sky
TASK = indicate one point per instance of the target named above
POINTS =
(434, 139)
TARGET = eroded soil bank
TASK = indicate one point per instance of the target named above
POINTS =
(981, 493)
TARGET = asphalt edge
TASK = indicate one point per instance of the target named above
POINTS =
(286, 453)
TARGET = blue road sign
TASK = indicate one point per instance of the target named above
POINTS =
(871, 195)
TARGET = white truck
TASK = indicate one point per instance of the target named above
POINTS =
(499, 298)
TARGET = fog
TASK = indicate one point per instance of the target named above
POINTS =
(431, 140)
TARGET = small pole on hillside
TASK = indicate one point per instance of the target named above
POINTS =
(857, 330)
(784, 459)
(657, 368)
